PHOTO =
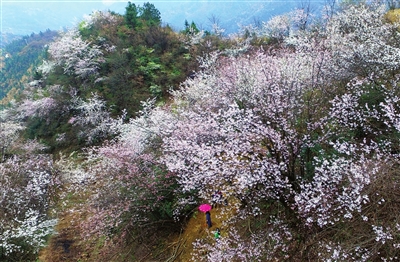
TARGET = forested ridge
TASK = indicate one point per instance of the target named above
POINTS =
(19, 58)
(7, 38)
(115, 131)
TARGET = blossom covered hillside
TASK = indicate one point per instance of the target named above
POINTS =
(296, 126)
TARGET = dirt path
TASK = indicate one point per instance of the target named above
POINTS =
(198, 229)
(63, 245)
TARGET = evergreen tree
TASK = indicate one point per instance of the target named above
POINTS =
(131, 15)
(150, 14)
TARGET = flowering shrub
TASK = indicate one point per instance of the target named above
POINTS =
(336, 192)
(361, 41)
(75, 55)
(282, 26)
(132, 186)
(130, 191)
(9, 132)
(26, 194)
(229, 247)
(37, 108)
(94, 119)
(247, 125)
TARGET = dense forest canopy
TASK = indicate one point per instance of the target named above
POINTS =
(126, 126)
(20, 58)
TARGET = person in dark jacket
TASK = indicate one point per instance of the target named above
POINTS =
(208, 219)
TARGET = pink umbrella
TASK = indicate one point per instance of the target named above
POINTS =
(205, 207)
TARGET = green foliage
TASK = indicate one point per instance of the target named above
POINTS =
(37, 75)
(155, 91)
(21, 57)
(136, 17)
(150, 14)
(190, 28)
(131, 15)
(149, 63)
(83, 29)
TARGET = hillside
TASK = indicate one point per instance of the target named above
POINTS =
(7, 38)
(109, 144)
(20, 58)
